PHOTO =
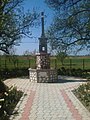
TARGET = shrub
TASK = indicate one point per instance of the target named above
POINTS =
(8, 100)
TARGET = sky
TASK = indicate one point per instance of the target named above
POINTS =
(33, 44)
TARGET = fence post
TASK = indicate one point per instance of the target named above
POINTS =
(83, 64)
(29, 63)
(55, 63)
(70, 63)
(0, 61)
(35, 62)
(5, 62)
(17, 63)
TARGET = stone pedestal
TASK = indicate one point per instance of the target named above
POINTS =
(43, 75)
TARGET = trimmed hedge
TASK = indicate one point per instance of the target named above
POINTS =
(12, 73)
(74, 72)
(20, 72)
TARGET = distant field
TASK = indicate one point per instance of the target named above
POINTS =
(23, 61)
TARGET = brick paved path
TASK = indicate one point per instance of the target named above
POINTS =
(48, 101)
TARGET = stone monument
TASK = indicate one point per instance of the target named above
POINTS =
(42, 73)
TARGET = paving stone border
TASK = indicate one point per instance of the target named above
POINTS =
(48, 101)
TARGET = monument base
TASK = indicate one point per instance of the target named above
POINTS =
(43, 75)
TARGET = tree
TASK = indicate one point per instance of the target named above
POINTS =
(14, 23)
(27, 53)
(61, 56)
(70, 29)
(28, 56)
(13, 57)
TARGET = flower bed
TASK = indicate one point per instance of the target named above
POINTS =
(83, 94)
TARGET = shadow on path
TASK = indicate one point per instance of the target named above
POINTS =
(65, 81)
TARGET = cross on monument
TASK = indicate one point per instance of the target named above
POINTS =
(42, 39)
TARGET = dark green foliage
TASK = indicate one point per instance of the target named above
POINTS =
(83, 94)
(3, 87)
(12, 99)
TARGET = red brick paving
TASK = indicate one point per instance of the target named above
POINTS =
(70, 105)
(26, 112)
